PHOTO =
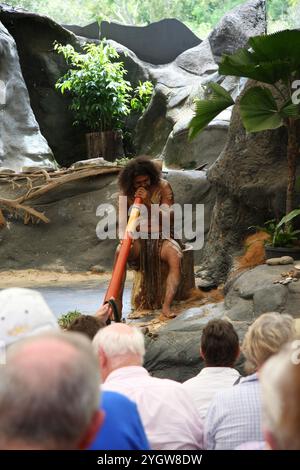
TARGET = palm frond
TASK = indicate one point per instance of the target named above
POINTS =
(207, 110)
(259, 110)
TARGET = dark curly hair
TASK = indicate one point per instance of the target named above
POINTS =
(139, 166)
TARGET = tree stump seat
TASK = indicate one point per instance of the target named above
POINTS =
(143, 300)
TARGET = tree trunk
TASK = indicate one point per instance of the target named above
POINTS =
(292, 152)
(108, 145)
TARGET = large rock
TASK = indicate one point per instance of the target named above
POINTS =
(253, 292)
(21, 142)
(192, 187)
(41, 67)
(237, 26)
(250, 179)
(163, 129)
(173, 352)
(70, 239)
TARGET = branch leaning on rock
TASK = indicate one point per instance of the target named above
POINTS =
(30, 214)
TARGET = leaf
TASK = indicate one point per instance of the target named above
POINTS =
(272, 57)
(259, 110)
(242, 64)
(279, 45)
(220, 92)
(291, 111)
(287, 218)
(207, 110)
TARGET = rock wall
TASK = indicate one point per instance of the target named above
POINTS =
(250, 179)
(21, 142)
(162, 130)
(41, 67)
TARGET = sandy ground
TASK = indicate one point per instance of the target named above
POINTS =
(37, 278)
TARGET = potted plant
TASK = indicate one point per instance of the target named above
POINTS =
(282, 237)
(101, 97)
(274, 61)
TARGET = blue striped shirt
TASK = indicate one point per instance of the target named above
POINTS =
(234, 416)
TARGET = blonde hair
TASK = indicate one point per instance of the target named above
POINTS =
(280, 386)
(265, 337)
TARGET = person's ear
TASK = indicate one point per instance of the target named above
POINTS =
(102, 359)
(93, 429)
(201, 354)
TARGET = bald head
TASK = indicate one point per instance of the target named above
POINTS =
(49, 391)
(119, 345)
(40, 354)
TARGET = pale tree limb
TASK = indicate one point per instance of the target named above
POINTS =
(13, 205)
(53, 184)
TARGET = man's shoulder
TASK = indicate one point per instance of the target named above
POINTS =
(164, 183)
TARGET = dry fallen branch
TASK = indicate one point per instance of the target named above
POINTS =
(13, 206)
(53, 181)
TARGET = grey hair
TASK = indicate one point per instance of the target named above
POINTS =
(49, 410)
(280, 389)
(115, 343)
(265, 337)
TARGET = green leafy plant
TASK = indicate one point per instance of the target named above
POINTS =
(96, 81)
(281, 233)
(274, 61)
(142, 96)
(101, 97)
(67, 318)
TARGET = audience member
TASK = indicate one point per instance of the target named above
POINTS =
(234, 416)
(219, 350)
(49, 393)
(170, 418)
(280, 389)
(122, 428)
(86, 324)
(23, 312)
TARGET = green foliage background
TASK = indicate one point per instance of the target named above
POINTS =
(200, 15)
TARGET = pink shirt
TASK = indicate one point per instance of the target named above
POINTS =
(169, 416)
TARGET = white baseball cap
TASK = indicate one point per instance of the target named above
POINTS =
(23, 312)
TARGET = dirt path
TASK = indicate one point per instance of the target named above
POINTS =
(37, 278)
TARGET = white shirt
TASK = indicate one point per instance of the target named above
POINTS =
(169, 416)
(207, 383)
